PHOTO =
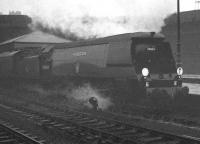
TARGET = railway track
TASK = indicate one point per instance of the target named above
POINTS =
(88, 129)
(12, 135)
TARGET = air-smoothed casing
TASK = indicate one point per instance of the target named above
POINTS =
(103, 57)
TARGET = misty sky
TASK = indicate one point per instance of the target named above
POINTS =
(94, 6)
(87, 18)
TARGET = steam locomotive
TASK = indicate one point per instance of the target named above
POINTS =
(141, 62)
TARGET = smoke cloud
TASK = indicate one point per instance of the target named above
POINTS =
(83, 93)
(77, 97)
(93, 18)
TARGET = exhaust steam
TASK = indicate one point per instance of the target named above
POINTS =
(85, 92)
(93, 18)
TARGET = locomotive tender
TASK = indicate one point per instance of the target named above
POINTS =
(141, 62)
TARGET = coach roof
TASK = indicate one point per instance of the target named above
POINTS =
(8, 54)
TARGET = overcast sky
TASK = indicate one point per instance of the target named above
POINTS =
(98, 17)
(26, 6)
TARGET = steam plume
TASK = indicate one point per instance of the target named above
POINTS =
(82, 94)
(77, 97)
(94, 18)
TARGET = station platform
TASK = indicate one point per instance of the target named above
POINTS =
(191, 76)
(193, 82)
(194, 88)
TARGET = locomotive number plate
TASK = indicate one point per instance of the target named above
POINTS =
(79, 54)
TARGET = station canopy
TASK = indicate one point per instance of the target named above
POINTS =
(35, 39)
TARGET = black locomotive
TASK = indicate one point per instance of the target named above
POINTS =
(140, 62)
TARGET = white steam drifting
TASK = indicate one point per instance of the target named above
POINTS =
(82, 94)
(77, 97)
(98, 18)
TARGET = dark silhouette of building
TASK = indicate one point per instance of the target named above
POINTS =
(190, 39)
(13, 25)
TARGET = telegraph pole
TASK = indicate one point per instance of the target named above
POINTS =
(178, 35)
(197, 2)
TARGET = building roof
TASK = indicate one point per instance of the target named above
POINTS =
(36, 37)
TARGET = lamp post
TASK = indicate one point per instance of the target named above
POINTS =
(178, 35)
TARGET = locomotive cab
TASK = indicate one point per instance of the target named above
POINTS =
(155, 66)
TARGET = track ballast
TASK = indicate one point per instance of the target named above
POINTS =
(12, 135)
(86, 128)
